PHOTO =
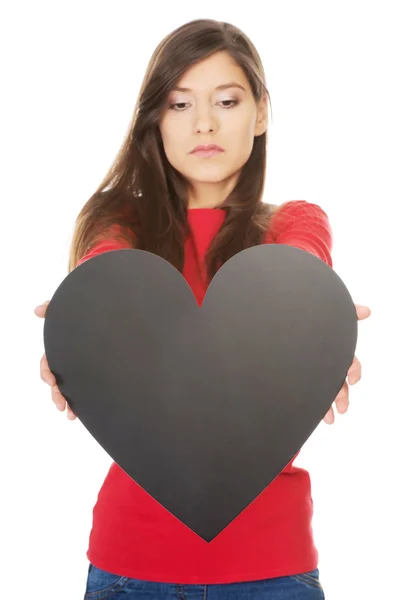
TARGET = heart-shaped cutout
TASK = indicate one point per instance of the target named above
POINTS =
(202, 406)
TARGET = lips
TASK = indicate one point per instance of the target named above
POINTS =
(205, 153)
(207, 148)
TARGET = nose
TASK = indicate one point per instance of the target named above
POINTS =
(204, 121)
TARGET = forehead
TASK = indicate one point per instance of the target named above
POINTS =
(218, 71)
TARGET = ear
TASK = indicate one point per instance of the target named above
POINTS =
(262, 116)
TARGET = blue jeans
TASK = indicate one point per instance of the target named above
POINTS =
(102, 585)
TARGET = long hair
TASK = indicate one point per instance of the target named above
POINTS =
(143, 199)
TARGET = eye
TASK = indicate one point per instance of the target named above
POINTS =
(234, 103)
(177, 104)
(183, 104)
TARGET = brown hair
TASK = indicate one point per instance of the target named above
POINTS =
(146, 200)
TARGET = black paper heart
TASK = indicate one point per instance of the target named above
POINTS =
(202, 406)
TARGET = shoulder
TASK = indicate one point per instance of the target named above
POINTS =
(112, 239)
(297, 208)
(302, 224)
(298, 213)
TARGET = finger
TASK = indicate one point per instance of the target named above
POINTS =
(40, 310)
(70, 413)
(58, 398)
(45, 373)
(342, 399)
(330, 416)
(362, 311)
(354, 373)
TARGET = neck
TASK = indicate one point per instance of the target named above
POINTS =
(210, 194)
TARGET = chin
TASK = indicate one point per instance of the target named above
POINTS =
(208, 175)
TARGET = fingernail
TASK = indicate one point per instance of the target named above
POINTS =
(60, 406)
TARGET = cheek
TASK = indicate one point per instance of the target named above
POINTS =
(240, 133)
(172, 141)
(241, 144)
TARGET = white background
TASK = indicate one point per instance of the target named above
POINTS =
(71, 72)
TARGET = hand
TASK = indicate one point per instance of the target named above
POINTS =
(354, 375)
(48, 376)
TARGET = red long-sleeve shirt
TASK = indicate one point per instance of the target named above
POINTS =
(135, 536)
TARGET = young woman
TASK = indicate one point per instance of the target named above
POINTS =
(204, 88)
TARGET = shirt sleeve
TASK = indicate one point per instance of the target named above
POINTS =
(103, 246)
(304, 225)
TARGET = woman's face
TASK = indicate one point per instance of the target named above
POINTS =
(207, 113)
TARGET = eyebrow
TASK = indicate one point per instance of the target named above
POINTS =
(220, 87)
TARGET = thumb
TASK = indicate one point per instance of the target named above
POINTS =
(40, 311)
(362, 311)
